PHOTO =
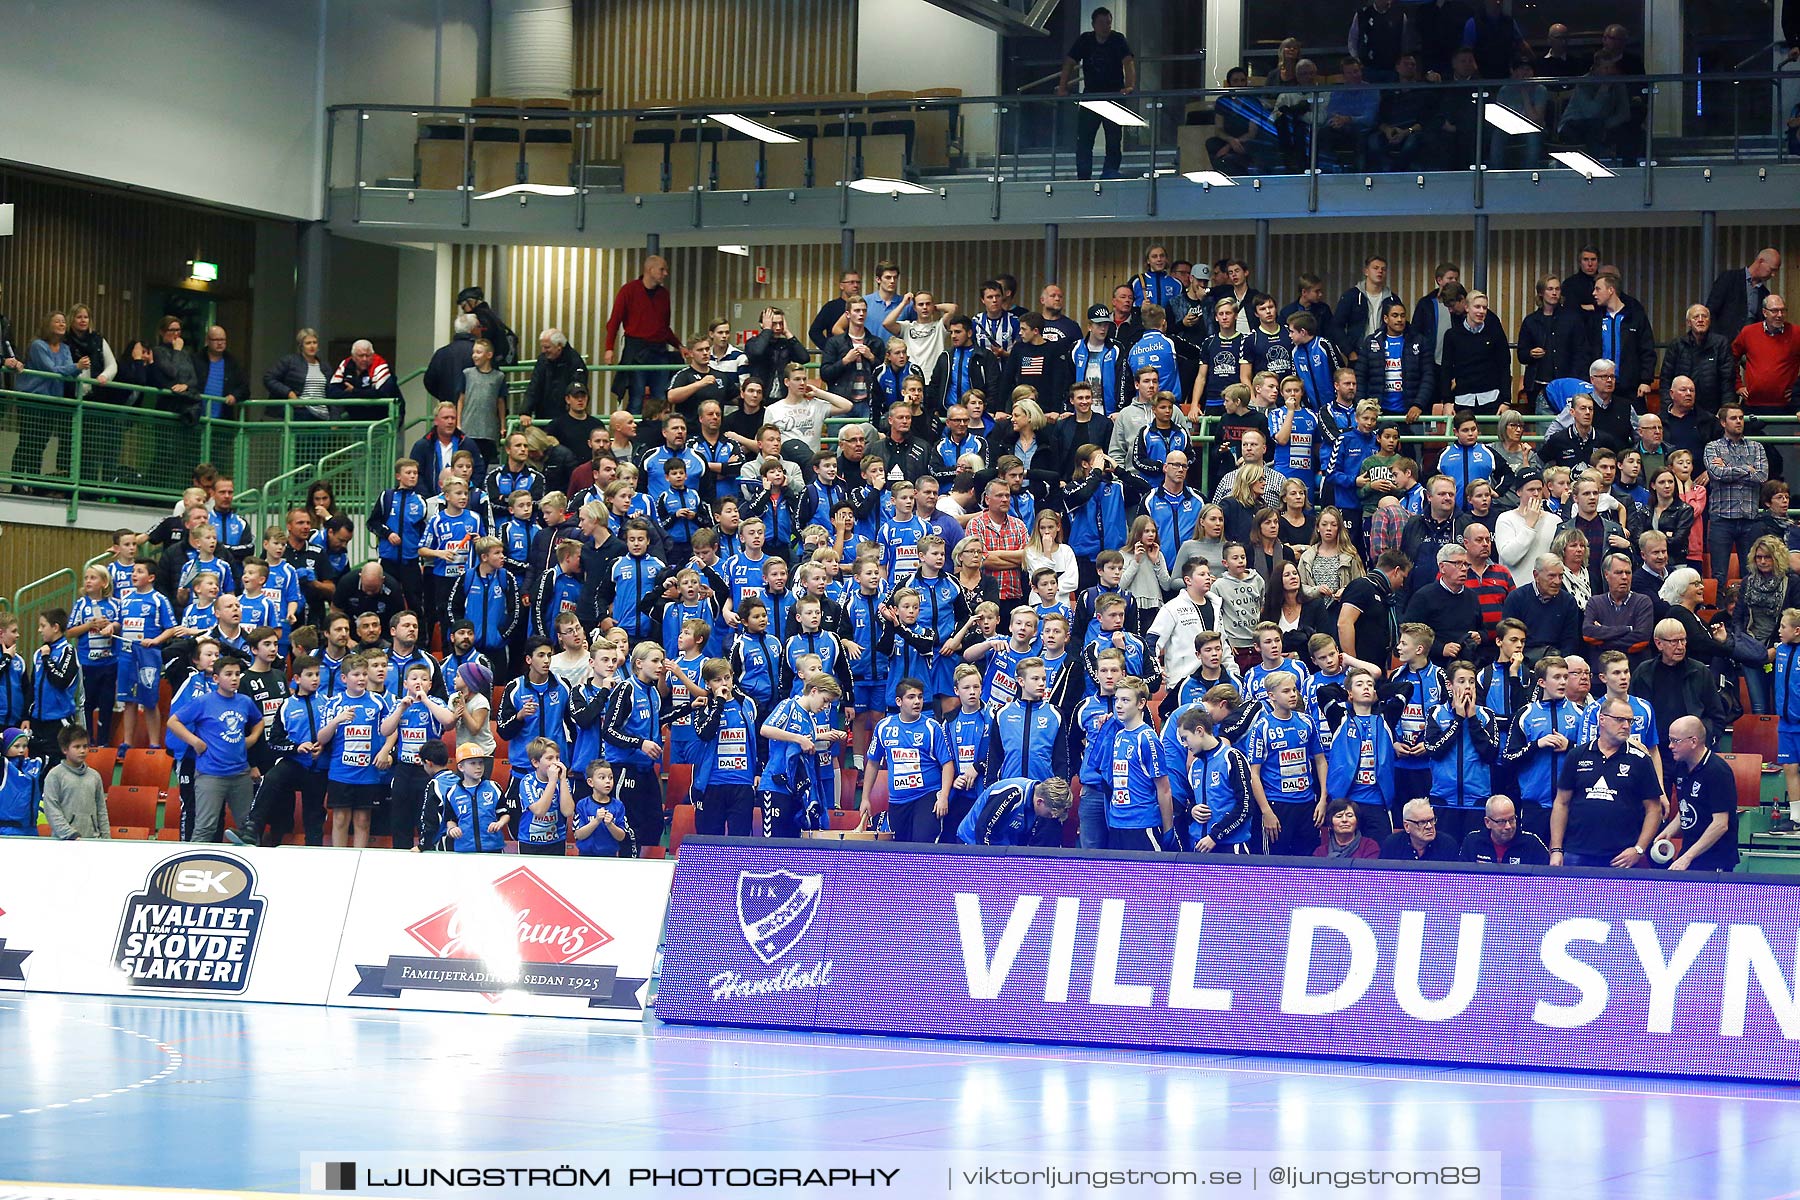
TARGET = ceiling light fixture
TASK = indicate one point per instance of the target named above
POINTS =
(755, 129)
(529, 189)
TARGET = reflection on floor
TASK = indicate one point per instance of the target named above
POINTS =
(224, 1095)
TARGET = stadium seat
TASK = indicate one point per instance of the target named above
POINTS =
(502, 773)
(1755, 733)
(103, 759)
(1747, 770)
(845, 818)
(148, 768)
(878, 798)
(681, 823)
(171, 834)
(654, 852)
(131, 833)
(680, 785)
(129, 804)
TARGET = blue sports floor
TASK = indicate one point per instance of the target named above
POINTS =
(229, 1096)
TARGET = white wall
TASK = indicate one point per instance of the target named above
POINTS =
(212, 99)
(909, 44)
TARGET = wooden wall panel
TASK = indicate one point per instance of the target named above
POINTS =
(29, 552)
(572, 287)
(70, 240)
(644, 52)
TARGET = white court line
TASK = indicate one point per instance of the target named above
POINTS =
(173, 1064)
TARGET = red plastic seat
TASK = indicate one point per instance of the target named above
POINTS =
(680, 785)
(103, 759)
(128, 804)
(131, 833)
(148, 768)
(1756, 733)
(1746, 770)
(845, 818)
(681, 823)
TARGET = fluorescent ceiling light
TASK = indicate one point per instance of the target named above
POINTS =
(740, 251)
(1115, 112)
(1210, 178)
(755, 129)
(1581, 164)
(876, 183)
(529, 189)
(1507, 121)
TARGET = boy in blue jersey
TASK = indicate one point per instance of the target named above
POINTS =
(1271, 660)
(1140, 810)
(260, 604)
(475, 819)
(515, 531)
(415, 718)
(397, 522)
(1294, 428)
(743, 571)
(1017, 812)
(1460, 739)
(724, 720)
(906, 642)
(359, 756)
(560, 591)
(1089, 740)
(829, 738)
(631, 729)
(1025, 736)
(446, 548)
(1288, 783)
(786, 788)
(1420, 686)
(1000, 685)
(1218, 819)
(601, 828)
(812, 639)
(864, 623)
(534, 705)
(966, 727)
(1542, 734)
(1107, 632)
(756, 657)
(544, 801)
(146, 624)
(205, 561)
(679, 510)
(1046, 598)
(899, 534)
(488, 599)
(1360, 754)
(20, 782)
(94, 624)
(219, 726)
(1785, 684)
(630, 582)
(683, 692)
(920, 765)
(56, 701)
(299, 765)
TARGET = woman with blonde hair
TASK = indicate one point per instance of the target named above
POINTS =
(1762, 594)
(1045, 548)
(1571, 545)
(1331, 562)
(1241, 504)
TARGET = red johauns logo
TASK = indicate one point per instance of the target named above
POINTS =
(548, 928)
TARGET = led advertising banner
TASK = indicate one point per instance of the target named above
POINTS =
(1632, 972)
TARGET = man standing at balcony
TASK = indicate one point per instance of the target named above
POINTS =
(642, 309)
(220, 374)
(1107, 66)
(1737, 296)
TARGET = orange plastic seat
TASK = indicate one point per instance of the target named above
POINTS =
(681, 823)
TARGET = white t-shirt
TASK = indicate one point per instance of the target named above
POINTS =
(799, 420)
(484, 739)
(925, 343)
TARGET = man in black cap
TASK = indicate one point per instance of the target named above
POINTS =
(503, 339)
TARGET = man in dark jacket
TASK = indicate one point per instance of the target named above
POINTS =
(1675, 685)
(1552, 618)
(849, 360)
(1418, 373)
(1621, 332)
(1552, 340)
(1687, 426)
(1475, 362)
(220, 373)
(770, 351)
(1703, 354)
(1420, 841)
(558, 365)
(365, 375)
(369, 590)
(444, 374)
(1737, 295)
(963, 367)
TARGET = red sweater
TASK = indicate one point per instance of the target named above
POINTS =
(1490, 594)
(1771, 363)
(643, 313)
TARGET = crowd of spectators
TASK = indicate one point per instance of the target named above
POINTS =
(999, 596)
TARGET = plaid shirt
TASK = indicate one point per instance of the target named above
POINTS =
(1386, 524)
(1008, 535)
(1738, 468)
